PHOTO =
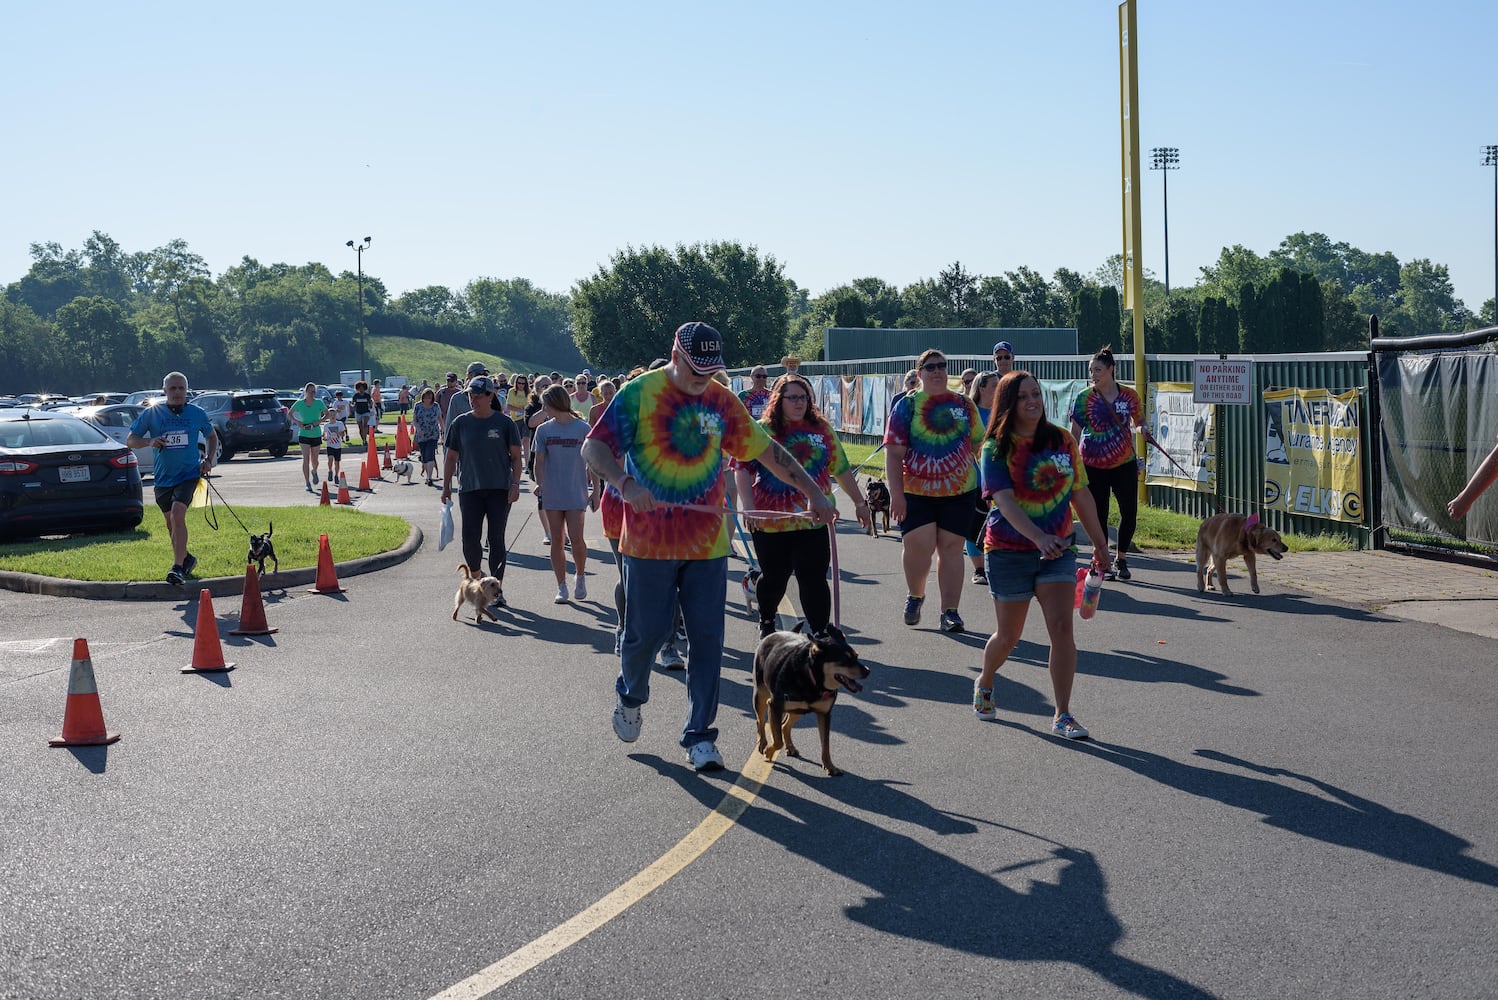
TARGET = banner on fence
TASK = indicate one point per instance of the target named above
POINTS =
(1313, 461)
(1187, 432)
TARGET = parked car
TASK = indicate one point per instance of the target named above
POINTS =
(60, 474)
(145, 397)
(246, 421)
(104, 398)
(115, 420)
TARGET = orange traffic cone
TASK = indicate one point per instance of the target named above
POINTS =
(343, 495)
(327, 576)
(385, 463)
(325, 499)
(252, 608)
(83, 718)
(364, 486)
(402, 438)
(372, 458)
(207, 653)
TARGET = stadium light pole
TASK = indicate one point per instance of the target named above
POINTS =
(359, 249)
(1490, 159)
(1166, 159)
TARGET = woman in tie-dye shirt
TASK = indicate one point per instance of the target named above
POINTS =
(1103, 420)
(931, 465)
(1033, 472)
(789, 546)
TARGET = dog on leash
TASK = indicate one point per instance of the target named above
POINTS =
(1224, 536)
(479, 591)
(261, 549)
(404, 467)
(750, 583)
(877, 495)
(795, 674)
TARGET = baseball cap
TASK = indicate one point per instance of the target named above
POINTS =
(1003, 345)
(702, 347)
(452, 376)
(481, 383)
(477, 368)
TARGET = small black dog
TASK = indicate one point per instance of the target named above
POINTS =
(878, 497)
(261, 549)
(795, 674)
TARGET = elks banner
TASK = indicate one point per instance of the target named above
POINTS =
(1313, 461)
(1187, 431)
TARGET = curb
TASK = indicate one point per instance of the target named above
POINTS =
(219, 586)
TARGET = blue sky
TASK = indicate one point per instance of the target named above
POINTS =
(843, 139)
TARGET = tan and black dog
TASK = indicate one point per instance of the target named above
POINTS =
(877, 495)
(795, 674)
(1225, 536)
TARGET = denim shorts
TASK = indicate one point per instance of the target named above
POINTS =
(1013, 576)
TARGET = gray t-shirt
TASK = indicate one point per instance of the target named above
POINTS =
(483, 448)
(566, 485)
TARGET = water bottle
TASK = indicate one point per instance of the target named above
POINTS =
(1089, 589)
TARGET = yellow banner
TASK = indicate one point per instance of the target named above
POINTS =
(1313, 462)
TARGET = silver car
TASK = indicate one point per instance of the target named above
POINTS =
(115, 420)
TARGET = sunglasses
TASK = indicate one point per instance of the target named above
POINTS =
(934, 366)
(1003, 357)
(798, 398)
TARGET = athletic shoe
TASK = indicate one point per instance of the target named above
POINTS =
(189, 564)
(671, 659)
(499, 602)
(580, 591)
(626, 720)
(174, 576)
(913, 610)
(1121, 567)
(314, 477)
(309, 487)
(766, 626)
(545, 539)
(1112, 574)
(705, 756)
(983, 703)
(980, 577)
(561, 597)
(951, 621)
(1069, 728)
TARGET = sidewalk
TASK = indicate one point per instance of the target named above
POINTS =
(1415, 588)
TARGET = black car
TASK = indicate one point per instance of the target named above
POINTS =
(60, 475)
(246, 421)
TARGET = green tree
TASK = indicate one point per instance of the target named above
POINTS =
(849, 311)
(98, 342)
(1427, 302)
(31, 349)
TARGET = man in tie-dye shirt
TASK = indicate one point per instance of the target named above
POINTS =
(931, 465)
(661, 444)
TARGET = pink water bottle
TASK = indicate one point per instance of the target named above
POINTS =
(1089, 589)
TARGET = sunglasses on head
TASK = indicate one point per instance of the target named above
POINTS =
(934, 366)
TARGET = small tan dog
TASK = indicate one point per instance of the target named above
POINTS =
(1224, 536)
(480, 591)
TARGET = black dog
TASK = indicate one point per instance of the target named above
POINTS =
(878, 497)
(261, 549)
(795, 674)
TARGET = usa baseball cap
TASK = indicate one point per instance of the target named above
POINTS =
(1003, 345)
(702, 346)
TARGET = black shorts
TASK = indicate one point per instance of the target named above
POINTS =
(953, 514)
(334, 454)
(311, 442)
(181, 493)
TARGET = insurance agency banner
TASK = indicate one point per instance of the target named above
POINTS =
(1313, 462)
(1184, 452)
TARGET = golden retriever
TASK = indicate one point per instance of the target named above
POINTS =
(1224, 536)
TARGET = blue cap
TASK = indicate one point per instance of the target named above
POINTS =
(1003, 345)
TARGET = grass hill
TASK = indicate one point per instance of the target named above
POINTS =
(429, 359)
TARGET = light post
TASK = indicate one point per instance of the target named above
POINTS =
(1166, 159)
(359, 249)
(1490, 159)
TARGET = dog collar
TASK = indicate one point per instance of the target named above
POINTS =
(1250, 524)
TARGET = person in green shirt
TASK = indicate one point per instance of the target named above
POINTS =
(307, 414)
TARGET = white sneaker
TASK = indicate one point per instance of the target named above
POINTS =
(705, 756)
(671, 658)
(561, 597)
(627, 721)
(580, 591)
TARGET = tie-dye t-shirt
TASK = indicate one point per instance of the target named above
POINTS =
(754, 401)
(1043, 482)
(673, 444)
(611, 511)
(820, 453)
(941, 435)
(1107, 441)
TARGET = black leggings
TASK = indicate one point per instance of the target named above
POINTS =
(478, 506)
(806, 553)
(1123, 481)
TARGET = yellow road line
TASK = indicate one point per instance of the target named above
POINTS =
(691, 847)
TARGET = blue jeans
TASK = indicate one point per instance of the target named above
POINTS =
(652, 590)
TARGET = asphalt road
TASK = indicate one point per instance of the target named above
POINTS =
(1283, 795)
